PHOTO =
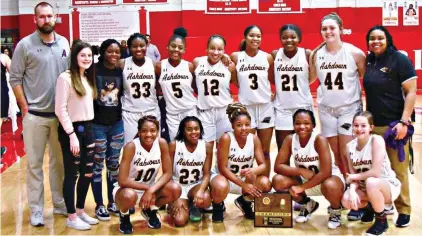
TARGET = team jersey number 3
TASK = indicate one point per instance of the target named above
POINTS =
(137, 90)
(253, 81)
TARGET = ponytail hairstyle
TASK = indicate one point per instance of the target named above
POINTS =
(179, 33)
(248, 29)
(338, 20)
(293, 27)
(75, 74)
(181, 132)
(104, 46)
(235, 110)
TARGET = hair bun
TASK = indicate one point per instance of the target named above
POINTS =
(181, 31)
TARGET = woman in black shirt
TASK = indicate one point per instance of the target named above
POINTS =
(108, 125)
(390, 85)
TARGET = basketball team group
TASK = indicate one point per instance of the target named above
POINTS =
(106, 115)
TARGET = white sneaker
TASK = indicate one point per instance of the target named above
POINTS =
(36, 219)
(306, 211)
(87, 219)
(334, 221)
(60, 211)
(77, 224)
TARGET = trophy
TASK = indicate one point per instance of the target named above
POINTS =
(274, 210)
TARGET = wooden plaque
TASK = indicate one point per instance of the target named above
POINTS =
(274, 210)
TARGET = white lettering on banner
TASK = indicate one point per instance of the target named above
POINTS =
(418, 59)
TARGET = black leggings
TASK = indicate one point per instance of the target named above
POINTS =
(78, 166)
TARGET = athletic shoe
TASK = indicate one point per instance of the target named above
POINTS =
(334, 220)
(296, 206)
(218, 212)
(102, 213)
(88, 219)
(60, 211)
(151, 217)
(78, 224)
(246, 207)
(403, 220)
(37, 219)
(306, 211)
(208, 210)
(368, 214)
(379, 227)
(389, 209)
(125, 224)
(132, 210)
(194, 213)
(112, 209)
(354, 215)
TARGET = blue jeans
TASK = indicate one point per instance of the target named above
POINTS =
(108, 143)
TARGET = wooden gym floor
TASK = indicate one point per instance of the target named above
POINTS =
(15, 211)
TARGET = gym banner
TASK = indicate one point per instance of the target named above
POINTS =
(143, 1)
(410, 13)
(78, 3)
(228, 7)
(279, 6)
(390, 13)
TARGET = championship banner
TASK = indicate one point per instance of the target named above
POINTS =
(279, 6)
(95, 27)
(79, 3)
(227, 7)
(143, 1)
(410, 13)
(390, 13)
(274, 210)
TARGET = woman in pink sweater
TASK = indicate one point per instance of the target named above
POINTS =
(75, 92)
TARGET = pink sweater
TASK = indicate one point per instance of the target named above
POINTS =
(69, 106)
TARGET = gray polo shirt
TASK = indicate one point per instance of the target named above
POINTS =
(37, 65)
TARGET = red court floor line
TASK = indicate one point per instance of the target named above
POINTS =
(13, 143)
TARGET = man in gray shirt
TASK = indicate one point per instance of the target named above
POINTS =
(37, 62)
(152, 50)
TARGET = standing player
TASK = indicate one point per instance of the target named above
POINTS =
(213, 82)
(291, 72)
(192, 158)
(234, 172)
(175, 80)
(338, 65)
(313, 174)
(254, 74)
(141, 160)
(372, 181)
(139, 93)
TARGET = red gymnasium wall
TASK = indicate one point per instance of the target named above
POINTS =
(200, 26)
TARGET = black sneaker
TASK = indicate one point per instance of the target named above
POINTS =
(194, 213)
(403, 220)
(112, 209)
(132, 210)
(151, 217)
(102, 213)
(162, 208)
(354, 215)
(379, 227)
(245, 207)
(218, 212)
(125, 224)
(306, 211)
(367, 214)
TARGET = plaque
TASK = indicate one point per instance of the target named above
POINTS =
(274, 210)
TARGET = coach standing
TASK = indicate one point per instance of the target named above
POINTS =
(37, 62)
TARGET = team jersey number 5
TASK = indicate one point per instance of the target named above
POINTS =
(177, 91)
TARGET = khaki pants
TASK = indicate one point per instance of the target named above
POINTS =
(402, 203)
(38, 131)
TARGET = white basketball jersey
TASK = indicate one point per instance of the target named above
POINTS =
(139, 92)
(213, 83)
(292, 80)
(187, 167)
(338, 76)
(240, 158)
(252, 76)
(176, 83)
(362, 161)
(144, 166)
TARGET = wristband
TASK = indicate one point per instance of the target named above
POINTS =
(404, 122)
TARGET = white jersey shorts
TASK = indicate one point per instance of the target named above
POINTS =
(335, 121)
(186, 189)
(234, 188)
(130, 122)
(215, 122)
(316, 190)
(138, 192)
(173, 121)
(284, 117)
(262, 115)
